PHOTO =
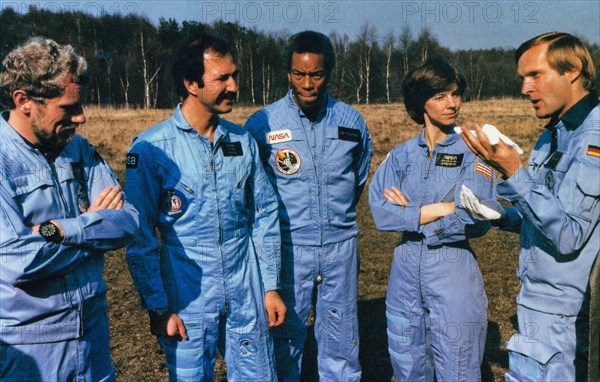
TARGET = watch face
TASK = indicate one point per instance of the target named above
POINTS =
(47, 229)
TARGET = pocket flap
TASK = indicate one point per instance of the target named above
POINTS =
(587, 182)
(532, 348)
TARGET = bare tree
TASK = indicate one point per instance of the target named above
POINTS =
(148, 79)
(389, 47)
(251, 71)
(405, 41)
(367, 39)
(125, 85)
(266, 80)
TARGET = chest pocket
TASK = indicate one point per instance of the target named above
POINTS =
(40, 185)
(580, 192)
(449, 171)
(536, 160)
(342, 145)
(346, 137)
(550, 170)
(237, 170)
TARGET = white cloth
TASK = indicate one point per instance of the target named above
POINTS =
(480, 209)
(494, 136)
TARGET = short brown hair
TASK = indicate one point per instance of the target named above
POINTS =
(427, 80)
(563, 51)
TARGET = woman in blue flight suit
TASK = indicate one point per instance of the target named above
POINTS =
(436, 306)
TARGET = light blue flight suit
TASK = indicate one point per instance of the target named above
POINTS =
(557, 209)
(436, 305)
(219, 247)
(53, 320)
(318, 171)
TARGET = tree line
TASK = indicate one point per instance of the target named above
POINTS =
(130, 58)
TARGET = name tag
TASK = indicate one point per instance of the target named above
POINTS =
(348, 134)
(449, 160)
(232, 149)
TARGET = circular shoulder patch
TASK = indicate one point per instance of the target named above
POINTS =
(287, 161)
(174, 202)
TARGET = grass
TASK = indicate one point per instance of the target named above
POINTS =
(137, 356)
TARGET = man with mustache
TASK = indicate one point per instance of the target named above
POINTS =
(316, 151)
(53, 320)
(557, 200)
(213, 277)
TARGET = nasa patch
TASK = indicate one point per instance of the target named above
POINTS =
(279, 136)
(174, 202)
(287, 161)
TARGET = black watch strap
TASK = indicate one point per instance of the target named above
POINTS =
(158, 313)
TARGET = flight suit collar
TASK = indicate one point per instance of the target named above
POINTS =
(574, 117)
(182, 124)
(292, 103)
(450, 139)
(12, 134)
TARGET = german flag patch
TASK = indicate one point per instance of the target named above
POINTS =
(483, 169)
(593, 151)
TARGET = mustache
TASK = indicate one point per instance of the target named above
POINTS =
(230, 95)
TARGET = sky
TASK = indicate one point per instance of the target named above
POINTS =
(468, 24)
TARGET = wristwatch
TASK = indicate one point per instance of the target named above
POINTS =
(158, 313)
(50, 232)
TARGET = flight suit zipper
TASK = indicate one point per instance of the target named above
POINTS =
(320, 214)
(215, 147)
(430, 155)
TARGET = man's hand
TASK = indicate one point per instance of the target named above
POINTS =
(275, 308)
(500, 156)
(111, 198)
(168, 326)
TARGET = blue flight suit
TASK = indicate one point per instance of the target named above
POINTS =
(53, 319)
(557, 200)
(318, 171)
(220, 245)
(436, 305)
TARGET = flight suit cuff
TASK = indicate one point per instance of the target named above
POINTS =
(516, 186)
(72, 231)
(412, 213)
(435, 232)
(270, 285)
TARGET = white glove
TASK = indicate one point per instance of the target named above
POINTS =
(494, 136)
(480, 210)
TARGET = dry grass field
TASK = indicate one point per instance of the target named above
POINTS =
(136, 355)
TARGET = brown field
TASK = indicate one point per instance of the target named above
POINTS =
(137, 356)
